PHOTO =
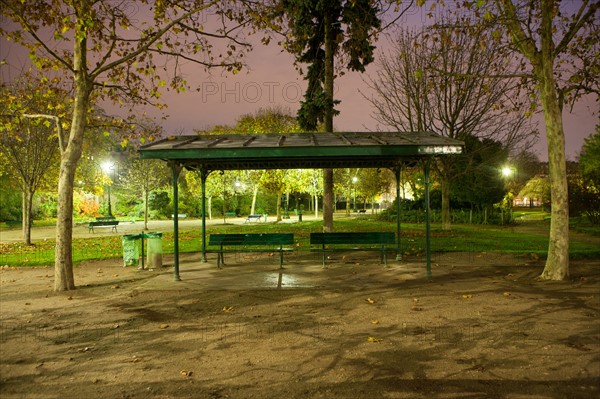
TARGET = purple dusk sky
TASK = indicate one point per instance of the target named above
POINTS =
(270, 80)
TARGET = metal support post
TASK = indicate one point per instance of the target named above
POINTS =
(427, 219)
(398, 172)
(175, 169)
(203, 176)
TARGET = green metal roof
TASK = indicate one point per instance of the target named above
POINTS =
(299, 150)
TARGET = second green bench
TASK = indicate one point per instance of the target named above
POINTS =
(353, 241)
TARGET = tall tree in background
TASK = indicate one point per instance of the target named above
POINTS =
(318, 32)
(29, 145)
(432, 81)
(145, 176)
(558, 45)
(114, 51)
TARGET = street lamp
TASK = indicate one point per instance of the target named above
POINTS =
(354, 180)
(507, 171)
(108, 166)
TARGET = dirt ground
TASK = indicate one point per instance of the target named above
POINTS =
(482, 326)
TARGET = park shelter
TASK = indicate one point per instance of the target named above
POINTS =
(206, 153)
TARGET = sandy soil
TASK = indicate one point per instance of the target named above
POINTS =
(483, 326)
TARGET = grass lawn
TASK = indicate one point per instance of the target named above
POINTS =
(462, 238)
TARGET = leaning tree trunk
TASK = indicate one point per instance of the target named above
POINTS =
(70, 155)
(557, 263)
(63, 266)
(254, 196)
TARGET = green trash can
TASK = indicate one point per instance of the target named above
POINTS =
(131, 249)
(155, 251)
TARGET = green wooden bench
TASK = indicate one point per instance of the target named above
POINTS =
(256, 217)
(103, 223)
(354, 241)
(267, 242)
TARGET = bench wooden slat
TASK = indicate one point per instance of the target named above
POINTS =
(242, 240)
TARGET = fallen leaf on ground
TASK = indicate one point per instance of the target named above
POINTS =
(369, 300)
(227, 309)
(185, 373)
(506, 294)
(467, 296)
(374, 321)
(373, 339)
(163, 326)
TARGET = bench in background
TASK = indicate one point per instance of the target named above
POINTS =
(258, 217)
(353, 241)
(267, 242)
(102, 224)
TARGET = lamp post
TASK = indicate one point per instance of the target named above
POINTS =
(354, 180)
(107, 166)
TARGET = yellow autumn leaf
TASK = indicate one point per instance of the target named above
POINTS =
(373, 339)
(467, 296)
(227, 309)
(370, 301)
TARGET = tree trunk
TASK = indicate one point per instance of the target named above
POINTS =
(328, 87)
(146, 194)
(348, 194)
(446, 222)
(63, 266)
(278, 203)
(70, 153)
(254, 195)
(557, 263)
(26, 216)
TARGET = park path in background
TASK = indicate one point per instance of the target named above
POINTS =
(82, 231)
